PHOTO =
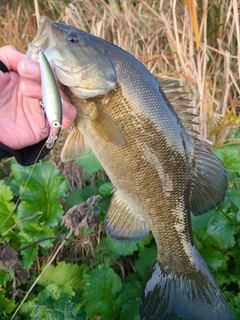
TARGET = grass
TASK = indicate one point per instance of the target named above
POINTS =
(195, 43)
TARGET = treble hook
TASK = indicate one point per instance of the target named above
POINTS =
(45, 126)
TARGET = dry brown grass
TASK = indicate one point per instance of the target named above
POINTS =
(197, 45)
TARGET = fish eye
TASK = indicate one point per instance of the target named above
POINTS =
(73, 38)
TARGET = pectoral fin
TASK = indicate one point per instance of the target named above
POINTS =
(106, 127)
(74, 146)
(210, 180)
(123, 224)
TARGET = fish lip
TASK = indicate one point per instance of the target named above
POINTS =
(75, 72)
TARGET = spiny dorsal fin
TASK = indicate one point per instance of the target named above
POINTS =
(179, 103)
(210, 180)
(123, 224)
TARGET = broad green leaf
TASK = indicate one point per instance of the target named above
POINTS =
(64, 273)
(89, 162)
(89, 191)
(41, 193)
(74, 198)
(26, 310)
(131, 310)
(33, 232)
(101, 293)
(57, 306)
(3, 278)
(104, 204)
(29, 255)
(37, 232)
(230, 156)
(6, 208)
(6, 305)
(214, 229)
(214, 258)
(123, 248)
(79, 196)
(106, 188)
(145, 262)
(133, 289)
(222, 231)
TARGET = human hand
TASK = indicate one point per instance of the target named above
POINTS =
(21, 118)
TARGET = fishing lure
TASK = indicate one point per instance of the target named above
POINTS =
(51, 100)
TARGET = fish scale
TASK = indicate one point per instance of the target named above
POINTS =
(158, 167)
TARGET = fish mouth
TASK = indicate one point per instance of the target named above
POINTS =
(86, 73)
(41, 39)
(74, 72)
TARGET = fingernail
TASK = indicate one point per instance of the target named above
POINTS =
(29, 67)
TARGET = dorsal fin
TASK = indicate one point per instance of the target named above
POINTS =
(179, 103)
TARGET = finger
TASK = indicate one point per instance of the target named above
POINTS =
(30, 70)
(31, 89)
(69, 114)
(10, 56)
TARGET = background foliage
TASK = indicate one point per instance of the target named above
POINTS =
(95, 277)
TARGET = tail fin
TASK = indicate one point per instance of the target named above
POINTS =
(194, 296)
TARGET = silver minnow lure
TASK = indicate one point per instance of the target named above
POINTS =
(51, 101)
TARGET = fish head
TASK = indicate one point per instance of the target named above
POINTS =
(77, 62)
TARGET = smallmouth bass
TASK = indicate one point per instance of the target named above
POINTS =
(159, 169)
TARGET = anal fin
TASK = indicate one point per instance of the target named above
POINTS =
(123, 224)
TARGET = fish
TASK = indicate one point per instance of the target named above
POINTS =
(51, 100)
(161, 172)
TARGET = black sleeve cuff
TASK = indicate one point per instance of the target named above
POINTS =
(25, 156)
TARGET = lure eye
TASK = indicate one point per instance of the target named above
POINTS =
(73, 38)
(56, 124)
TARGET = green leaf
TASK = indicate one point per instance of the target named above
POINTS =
(64, 273)
(55, 304)
(38, 232)
(101, 293)
(29, 255)
(145, 262)
(89, 162)
(3, 277)
(6, 305)
(230, 156)
(42, 193)
(106, 188)
(214, 258)
(74, 198)
(6, 208)
(214, 229)
(123, 248)
(79, 196)
(131, 310)
(222, 232)
(34, 232)
(133, 289)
